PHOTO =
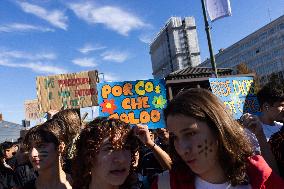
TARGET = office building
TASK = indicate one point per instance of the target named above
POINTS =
(175, 47)
(262, 51)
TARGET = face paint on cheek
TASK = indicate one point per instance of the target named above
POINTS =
(206, 148)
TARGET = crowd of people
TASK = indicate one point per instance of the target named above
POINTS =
(201, 147)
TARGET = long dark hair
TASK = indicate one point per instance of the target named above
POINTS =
(234, 147)
(89, 143)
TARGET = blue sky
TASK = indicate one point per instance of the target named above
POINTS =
(47, 37)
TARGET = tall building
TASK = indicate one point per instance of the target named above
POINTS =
(175, 47)
(262, 51)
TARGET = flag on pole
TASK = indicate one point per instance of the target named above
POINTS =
(218, 9)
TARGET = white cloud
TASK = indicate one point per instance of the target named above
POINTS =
(55, 17)
(89, 48)
(85, 62)
(145, 38)
(115, 56)
(38, 67)
(38, 62)
(18, 27)
(112, 17)
(35, 66)
(7, 54)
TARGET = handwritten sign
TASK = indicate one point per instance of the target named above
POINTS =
(134, 102)
(75, 90)
(31, 110)
(237, 93)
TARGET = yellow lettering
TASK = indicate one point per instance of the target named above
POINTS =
(116, 90)
(144, 117)
(149, 87)
(106, 90)
(127, 87)
(126, 104)
(155, 116)
(138, 85)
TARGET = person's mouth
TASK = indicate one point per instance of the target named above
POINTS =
(118, 172)
(36, 162)
(190, 162)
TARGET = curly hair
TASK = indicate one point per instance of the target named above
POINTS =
(234, 147)
(88, 144)
(72, 119)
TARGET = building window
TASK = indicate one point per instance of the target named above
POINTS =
(281, 26)
(271, 31)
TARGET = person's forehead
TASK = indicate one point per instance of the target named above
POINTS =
(41, 144)
(279, 103)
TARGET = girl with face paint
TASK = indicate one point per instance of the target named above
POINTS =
(105, 156)
(209, 148)
(46, 146)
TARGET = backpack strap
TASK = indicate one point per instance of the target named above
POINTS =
(164, 180)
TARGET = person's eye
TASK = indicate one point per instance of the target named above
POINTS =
(108, 149)
(190, 133)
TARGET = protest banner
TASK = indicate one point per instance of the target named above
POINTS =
(31, 110)
(134, 102)
(75, 90)
(237, 93)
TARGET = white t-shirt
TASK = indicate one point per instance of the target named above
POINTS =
(269, 130)
(202, 184)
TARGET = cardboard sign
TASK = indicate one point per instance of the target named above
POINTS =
(134, 102)
(31, 110)
(237, 93)
(75, 90)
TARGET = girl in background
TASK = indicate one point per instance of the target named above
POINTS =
(105, 156)
(210, 149)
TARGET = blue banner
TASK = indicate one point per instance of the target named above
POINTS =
(134, 102)
(237, 93)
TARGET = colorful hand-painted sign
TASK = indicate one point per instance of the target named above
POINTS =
(75, 90)
(237, 93)
(134, 102)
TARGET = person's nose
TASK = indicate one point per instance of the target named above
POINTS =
(184, 147)
(120, 156)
